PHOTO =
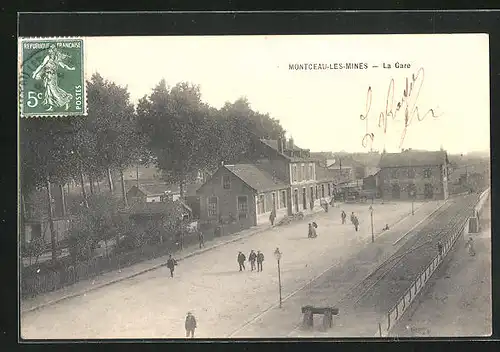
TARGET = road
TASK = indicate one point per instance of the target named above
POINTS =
(458, 301)
(209, 285)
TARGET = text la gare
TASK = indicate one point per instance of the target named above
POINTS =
(396, 65)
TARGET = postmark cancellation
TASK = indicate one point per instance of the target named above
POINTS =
(52, 77)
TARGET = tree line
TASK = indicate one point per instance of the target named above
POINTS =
(171, 128)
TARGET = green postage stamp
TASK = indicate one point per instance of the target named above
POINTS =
(52, 77)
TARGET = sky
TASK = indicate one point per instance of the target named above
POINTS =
(321, 109)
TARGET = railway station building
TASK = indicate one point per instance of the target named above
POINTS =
(421, 175)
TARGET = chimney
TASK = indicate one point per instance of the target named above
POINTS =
(290, 143)
(283, 141)
(280, 145)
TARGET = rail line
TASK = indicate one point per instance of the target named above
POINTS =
(445, 221)
(411, 258)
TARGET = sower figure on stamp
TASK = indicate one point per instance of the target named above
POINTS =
(241, 261)
(252, 257)
(171, 263)
(260, 260)
(190, 325)
(54, 96)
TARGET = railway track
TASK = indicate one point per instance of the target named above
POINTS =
(384, 286)
(422, 239)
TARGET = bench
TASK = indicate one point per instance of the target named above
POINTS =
(327, 312)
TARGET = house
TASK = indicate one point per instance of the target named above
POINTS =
(242, 194)
(422, 172)
(150, 193)
(279, 175)
(157, 192)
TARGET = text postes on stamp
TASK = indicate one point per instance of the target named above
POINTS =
(52, 77)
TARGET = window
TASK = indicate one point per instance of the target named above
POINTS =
(226, 181)
(307, 173)
(427, 173)
(303, 173)
(260, 204)
(394, 173)
(212, 206)
(294, 173)
(283, 199)
(323, 191)
(311, 171)
(317, 192)
(329, 190)
(242, 207)
(273, 201)
(411, 172)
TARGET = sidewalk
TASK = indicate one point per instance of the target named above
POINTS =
(85, 286)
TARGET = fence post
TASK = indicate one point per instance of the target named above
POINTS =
(380, 329)
(388, 321)
(397, 311)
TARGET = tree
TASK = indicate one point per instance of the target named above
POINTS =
(112, 121)
(45, 145)
(174, 122)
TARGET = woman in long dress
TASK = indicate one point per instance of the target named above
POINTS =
(54, 96)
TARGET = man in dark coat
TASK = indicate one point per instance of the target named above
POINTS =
(260, 260)
(352, 217)
(343, 216)
(201, 238)
(355, 222)
(252, 257)
(241, 261)
(171, 263)
(190, 324)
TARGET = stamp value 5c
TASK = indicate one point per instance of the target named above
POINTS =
(52, 77)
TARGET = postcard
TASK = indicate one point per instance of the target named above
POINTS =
(281, 186)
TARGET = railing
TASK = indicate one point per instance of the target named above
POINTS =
(394, 314)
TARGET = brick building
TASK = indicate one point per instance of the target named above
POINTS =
(425, 172)
(280, 175)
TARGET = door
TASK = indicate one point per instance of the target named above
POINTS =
(396, 191)
(428, 191)
(304, 198)
(296, 198)
(312, 194)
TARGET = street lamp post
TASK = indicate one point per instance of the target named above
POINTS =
(412, 202)
(371, 216)
(277, 255)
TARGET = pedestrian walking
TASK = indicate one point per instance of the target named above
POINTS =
(355, 222)
(343, 216)
(352, 217)
(309, 231)
(171, 263)
(272, 217)
(201, 238)
(241, 261)
(260, 260)
(470, 246)
(190, 325)
(252, 257)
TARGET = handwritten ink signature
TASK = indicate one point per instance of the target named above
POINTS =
(408, 101)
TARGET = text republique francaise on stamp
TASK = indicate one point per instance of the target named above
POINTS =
(52, 77)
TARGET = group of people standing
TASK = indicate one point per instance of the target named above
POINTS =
(354, 219)
(252, 258)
